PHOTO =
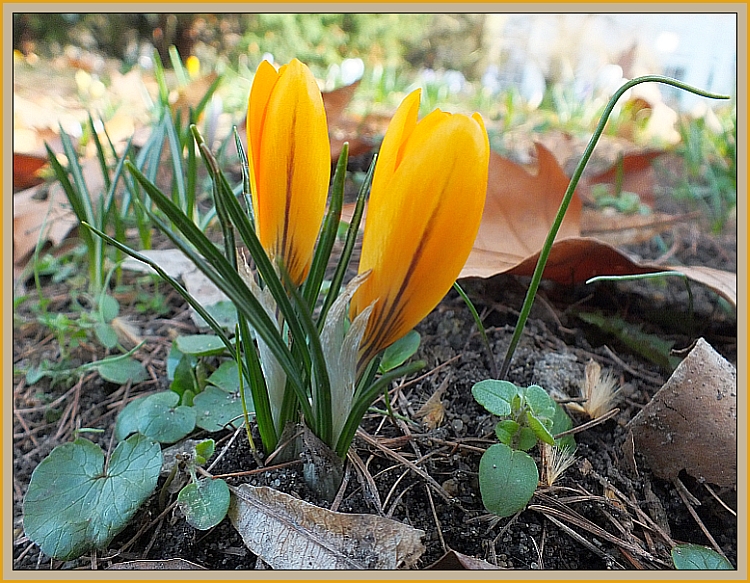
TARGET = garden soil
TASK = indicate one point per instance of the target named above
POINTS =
(606, 511)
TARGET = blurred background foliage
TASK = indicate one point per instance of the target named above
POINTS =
(438, 41)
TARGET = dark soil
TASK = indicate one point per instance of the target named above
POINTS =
(597, 515)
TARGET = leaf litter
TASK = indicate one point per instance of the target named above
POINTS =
(450, 450)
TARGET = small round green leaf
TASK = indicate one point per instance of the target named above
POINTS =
(109, 307)
(495, 396)
(184, 376)
(561, 422)
(216, 409)
(400, 351)
(224, 313)
(697, 557)
(200, 345)
(205, 502)
(204, 450)
(157, 416)
(505, 430)
(106, 335)
(526, 438)
(507, 479)
(73, 505)
(173, 360)
(539, 401)
(226, 377)
(121, 370)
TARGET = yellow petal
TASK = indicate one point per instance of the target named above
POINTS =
(260, 93)
(396, 136)
(291, 164)
(421, 226)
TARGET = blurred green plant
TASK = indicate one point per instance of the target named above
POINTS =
(709, 152)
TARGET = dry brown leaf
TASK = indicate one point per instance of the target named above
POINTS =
(337, 101)
(191, 95)
(31, 215)
(26, 170)
(432, 412)
(610, 226)
(519, 210)
(518, 214)
(455, 561)
(156, 565)
(289, 533)
(346, 127)
(578, 259)
(690, 423)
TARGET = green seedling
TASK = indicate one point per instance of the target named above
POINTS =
(508, 476)
(204, 501)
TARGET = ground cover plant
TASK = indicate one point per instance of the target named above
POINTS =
(288, 330)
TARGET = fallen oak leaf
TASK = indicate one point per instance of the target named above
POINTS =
(34, 219)
(336, 101)
(615, 228)
(455, 561)
(289, 533)
(521, 206)
(578, 259)
(26, 170)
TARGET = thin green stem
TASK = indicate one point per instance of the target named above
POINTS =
(536, 278)
(480, 326)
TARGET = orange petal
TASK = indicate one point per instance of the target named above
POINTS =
(421, 226)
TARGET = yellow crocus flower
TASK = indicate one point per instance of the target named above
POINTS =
(423, 215)
(290, 163)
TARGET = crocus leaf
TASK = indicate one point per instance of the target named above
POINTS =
(74, 504)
